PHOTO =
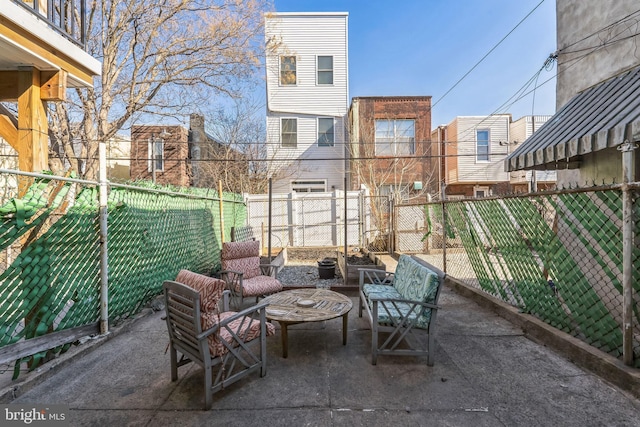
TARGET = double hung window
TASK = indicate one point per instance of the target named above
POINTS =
(325, 70)
(326, 136)
(289, 132)
(395, 137)
(156, 154)
(482, 145)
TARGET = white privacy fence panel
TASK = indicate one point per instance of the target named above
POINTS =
(310, 219)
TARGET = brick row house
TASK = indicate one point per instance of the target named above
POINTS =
(160, 154)
(182, 157)
(317, 142)
(390, 140)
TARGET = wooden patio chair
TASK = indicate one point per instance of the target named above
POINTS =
(243, 273)
(228, 345)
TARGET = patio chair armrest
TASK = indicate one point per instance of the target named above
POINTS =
(269, 270)
(226, 272)
(233, 279)
(377, 298)
(375, 276)
(226, 295)
(259, 308)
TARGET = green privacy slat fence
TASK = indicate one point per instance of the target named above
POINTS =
(51, 252)
(556, 256)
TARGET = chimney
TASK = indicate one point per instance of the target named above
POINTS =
(198, 138)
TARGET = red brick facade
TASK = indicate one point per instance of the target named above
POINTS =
(176, 169)
(372, 169)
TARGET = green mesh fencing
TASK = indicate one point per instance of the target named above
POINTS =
(51, 253)
(555, 256)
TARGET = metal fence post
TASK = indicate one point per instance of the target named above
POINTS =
(444, 228)
(221, 203)
(104, 258)
(628, 174)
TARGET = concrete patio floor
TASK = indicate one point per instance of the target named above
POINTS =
(486, 373)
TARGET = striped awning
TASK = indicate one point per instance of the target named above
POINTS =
(603, 116)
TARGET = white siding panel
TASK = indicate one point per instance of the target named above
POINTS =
(307, 36)
(469, 169)
(317, 162)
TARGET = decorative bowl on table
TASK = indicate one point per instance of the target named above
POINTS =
(305, 303)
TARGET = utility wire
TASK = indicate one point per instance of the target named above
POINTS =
(613, 24)
(486, 55)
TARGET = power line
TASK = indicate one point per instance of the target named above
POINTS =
(613, 24)
(286, 159)
(486, 55)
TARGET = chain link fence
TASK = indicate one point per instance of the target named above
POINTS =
(50, 253)
(557, 256)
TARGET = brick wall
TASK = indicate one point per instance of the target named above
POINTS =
(176, 155)
(422, 168)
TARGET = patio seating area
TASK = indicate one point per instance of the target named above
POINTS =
(486, 373)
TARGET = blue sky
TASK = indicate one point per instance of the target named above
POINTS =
(423, 47)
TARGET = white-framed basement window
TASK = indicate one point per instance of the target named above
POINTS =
(309, 186)
(480, 192)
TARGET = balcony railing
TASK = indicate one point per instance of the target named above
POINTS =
(65, 16)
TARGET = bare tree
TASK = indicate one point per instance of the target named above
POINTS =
(159, 57)
(390, 153)
(236, 155)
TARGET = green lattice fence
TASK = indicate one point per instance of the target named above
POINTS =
(50, 265)
(555, 256)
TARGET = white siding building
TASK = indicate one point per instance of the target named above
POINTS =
(307, 100)
(522, 129)
(474, 149)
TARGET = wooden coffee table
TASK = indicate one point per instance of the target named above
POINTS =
(307, 305)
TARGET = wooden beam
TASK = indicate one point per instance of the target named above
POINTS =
(35, 46)
(8, 131)
(53, 85)
(8, 86)
(13, 352)
(33, 138)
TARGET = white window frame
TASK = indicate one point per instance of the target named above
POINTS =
(394, 139)
(282, 143)
(159, 154)
(281, 71)
(324, 70)
(309, 186)
(332, 143)
(488, 145)
(481, 189)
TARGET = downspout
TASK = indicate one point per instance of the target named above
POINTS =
(534, 173)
